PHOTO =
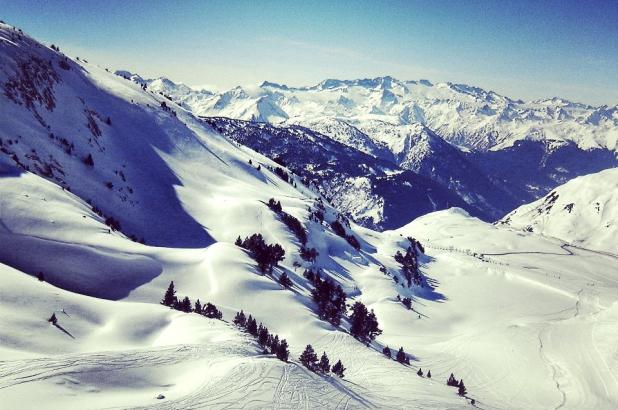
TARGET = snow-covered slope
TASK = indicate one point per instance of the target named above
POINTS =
(536, 316)
(114, 344)
(73, 187)
(584, 212)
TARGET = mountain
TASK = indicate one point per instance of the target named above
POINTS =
(582, 212)
(461, 137)
(109, 192)
(374, 192)
(463, 115)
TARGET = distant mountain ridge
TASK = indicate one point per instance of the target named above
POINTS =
(463, 115)
(492, 152)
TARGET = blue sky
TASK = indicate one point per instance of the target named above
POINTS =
(519, 48)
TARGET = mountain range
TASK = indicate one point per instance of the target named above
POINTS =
(492, 152)
(121, 208)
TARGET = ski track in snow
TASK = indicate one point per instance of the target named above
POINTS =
(254, 382)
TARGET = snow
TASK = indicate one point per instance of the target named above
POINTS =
(461, 137)
(527, 321)
(464, 115)
(583, 212)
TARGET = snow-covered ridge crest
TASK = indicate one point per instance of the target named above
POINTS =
(462, 114)
(584, 211)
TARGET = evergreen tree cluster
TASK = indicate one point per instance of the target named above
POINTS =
(316, 215)
(364, 324)
(291, 222)
(402, 356)
(275, 206)
(267, 256)
(416, 244)
(282, 174)
(295, 226)
(184, 305)
(308, 254)
(338, 228)
(267, 340)
(285, 281)
(309, 359)
(329, 297)
(407, 302)
(409, 263)
(461, 388)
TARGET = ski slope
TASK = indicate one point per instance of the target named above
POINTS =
(528, 322)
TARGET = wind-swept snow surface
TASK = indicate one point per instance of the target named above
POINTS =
(527, 322)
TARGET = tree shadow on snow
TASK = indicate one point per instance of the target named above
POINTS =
(64, 330)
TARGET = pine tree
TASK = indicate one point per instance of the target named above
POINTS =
(212, 312)
(308, 358)
(185, 305)
(407, 302)
(285, 281)
(238, 241)
(40, 276)
(387, 352)
(329, 297)
(429, 374)
(372, 328)
(170, 296)
(420, 372)
(364, 324)
(262, 336)
(274, 344)
(252, 326)
(452, 381)
(309, 275)
(401, 355)
(282, 352)
(461, 389)
(198, 307)
(53, 320)
(324, 364)
(240, 319)
(338, 369)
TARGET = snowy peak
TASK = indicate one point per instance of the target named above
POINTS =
(369, 83)
(268, 84)
(464, 115)
(584, 211)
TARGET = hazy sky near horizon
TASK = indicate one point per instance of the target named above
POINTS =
(523, 49)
